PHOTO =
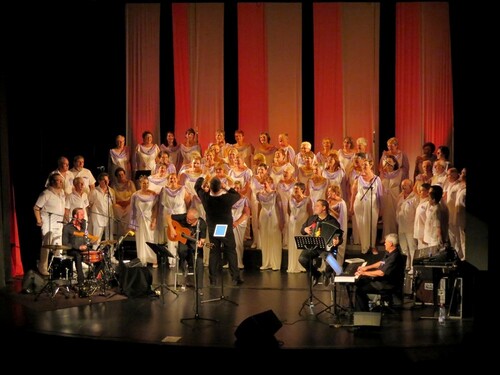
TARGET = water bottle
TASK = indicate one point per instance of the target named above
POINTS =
(442, 314)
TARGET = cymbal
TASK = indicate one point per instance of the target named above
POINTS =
(56, 247)
(108, 242)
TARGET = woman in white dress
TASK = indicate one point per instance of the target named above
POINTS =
(270, 224)
(326, 148)
(394, 150)
(300, 209)
(285, 190)
(279, 163)
(391, 177)
(143, 221)
(145, 154)
(174, 199)
(124, 188)
(241, 213)
(317, 185)
(189, 148)
(119, 157)
(173, 149)
(245, 150)
(265, 148)
(366, 203)
(346, 153)
(256, 185)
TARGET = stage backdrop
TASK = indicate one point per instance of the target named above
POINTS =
(346, 72)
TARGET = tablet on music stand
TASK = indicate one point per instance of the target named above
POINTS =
(334, 264)
(220, 230)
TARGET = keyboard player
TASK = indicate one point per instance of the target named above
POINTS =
(384, 275)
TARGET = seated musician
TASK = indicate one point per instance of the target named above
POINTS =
(189, 223)
(384, 275)
(311, 259)
(77, 243)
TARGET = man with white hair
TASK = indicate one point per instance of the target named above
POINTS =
(384, 275)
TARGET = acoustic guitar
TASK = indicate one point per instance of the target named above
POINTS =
(183, 234)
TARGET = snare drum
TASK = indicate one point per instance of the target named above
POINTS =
(92, 256)
(62, 267)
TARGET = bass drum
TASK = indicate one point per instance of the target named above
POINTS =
(62, 268)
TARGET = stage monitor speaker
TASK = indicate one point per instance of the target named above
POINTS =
(136, 281)
(258, 329)
(33, 282)
(367, 319)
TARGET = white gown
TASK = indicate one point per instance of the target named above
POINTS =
(367, 210)
(141, 217)
(298, 216)
(270, 242)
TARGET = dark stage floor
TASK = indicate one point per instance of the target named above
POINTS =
(154, 323)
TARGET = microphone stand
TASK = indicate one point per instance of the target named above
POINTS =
(197, 298)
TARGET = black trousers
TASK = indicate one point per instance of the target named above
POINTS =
(227, 247)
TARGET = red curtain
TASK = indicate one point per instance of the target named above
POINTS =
(15, 255)
(180, 24)
(424, 101)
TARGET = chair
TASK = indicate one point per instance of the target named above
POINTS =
(389, 299)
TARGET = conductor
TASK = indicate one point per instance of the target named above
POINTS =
(218, 202)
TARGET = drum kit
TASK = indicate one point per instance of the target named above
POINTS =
(100, 275)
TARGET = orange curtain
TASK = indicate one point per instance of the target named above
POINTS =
(424, 100)
(206, 31)
(328, 101)
(283, 24)
(360, 54)
(143, 74)
(252, 71)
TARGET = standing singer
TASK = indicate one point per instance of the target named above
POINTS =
(321, 223)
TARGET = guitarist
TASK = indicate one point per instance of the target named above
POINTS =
(183, 228)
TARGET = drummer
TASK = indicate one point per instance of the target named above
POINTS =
(77, 243)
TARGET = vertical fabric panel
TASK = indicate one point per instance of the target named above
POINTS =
(182, 81)
(252, 71)
(360, 51)
(437, 74)
(424, 99)
(327, 74)
(143, 74)
(284, 48)
(409, 129)
(207, 64)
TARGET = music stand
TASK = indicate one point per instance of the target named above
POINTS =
(310, 243)
(334, 307)
(197, 316)
(163, 253)
(220, 231)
